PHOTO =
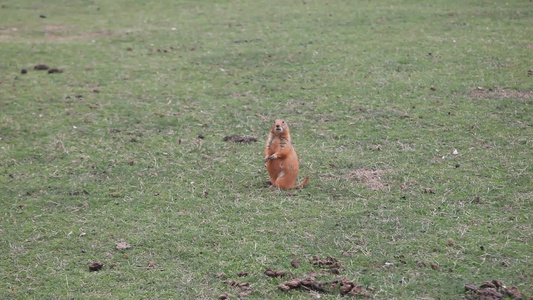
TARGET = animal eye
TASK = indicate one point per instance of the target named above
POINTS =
(283, 122)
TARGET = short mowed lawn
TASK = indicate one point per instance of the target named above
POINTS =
(414, 120)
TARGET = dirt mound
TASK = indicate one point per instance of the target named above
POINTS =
(492, 290)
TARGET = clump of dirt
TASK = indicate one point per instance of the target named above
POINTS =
(243, 288)
(96, 266)
(499, 93)
(242, 274)
(54, 70)
(122, 245)
(295, 262)
(235, 283)
(275, 273)
(307, 284)
(240, 139)
(492, 290)
(328, 262)
(370, 177)
(224, 296)
(343, 286)
(429, 191)
(41, 67)
(351, 289)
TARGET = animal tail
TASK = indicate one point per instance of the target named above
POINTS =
(302, 183)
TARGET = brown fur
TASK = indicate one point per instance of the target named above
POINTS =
(280, 158)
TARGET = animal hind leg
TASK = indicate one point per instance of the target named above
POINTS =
(284, 182)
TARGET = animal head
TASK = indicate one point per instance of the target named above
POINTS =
(280, 127)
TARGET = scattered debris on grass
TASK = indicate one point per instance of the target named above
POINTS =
(328, 262)
(96, 266)
(247, 41)
(307, 284)
(240, 139)
(332, 283)
(275, 273)
(122, 245)
(370, 177)
(492, 290)
(23, 71)
(236, 283)
(243, 287)
(351, 289)
(342, 285)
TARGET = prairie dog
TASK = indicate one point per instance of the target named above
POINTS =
(280, 158)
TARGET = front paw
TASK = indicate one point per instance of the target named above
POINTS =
(273, 156)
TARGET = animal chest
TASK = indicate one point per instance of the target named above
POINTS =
(278, 144)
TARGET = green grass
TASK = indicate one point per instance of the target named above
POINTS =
(392, 86)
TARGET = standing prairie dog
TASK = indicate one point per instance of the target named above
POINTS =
(280, 158)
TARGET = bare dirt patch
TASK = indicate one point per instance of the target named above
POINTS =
(240, 139)
(370, 177)
(80, 36)
(49, 28)
(498, 93)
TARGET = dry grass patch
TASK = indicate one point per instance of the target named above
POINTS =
(51, 33)
(370, 177)
(498, 93)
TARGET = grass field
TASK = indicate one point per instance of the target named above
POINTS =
(414, 120)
